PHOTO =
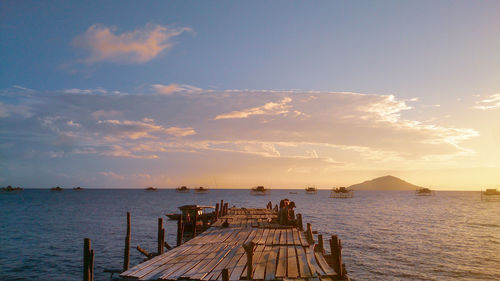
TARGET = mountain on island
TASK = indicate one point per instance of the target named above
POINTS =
(384, 183)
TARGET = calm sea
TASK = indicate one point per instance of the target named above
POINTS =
(386, 235)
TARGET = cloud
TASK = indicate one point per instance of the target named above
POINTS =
(270, 108)
(492, 102)
(137, 46)
(18, 111)
(174, 88)
(181, 132)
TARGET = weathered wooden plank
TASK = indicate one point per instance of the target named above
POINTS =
(304, 270)
(235, 251)
(323, 264)
(282, 236)
(303, 239)
(292, 271)
(270, 237)
(282, 262)
(271, 263)
(276, 239)
(262, 240)
(260, 266)
(316, 270)
(289, 237)
(235, 273)
(296, 239)
(257, 253)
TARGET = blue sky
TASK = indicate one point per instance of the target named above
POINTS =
(399, 87)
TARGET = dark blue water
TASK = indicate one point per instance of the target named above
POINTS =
(386, 235)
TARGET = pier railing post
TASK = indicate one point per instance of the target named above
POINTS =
(320, 244)
(309, 234)
(226, 206)
(249, 251)
(221, 212)
(225, 274)
(336, 249)
(299, 222)
(88, 261)
(180, 231)
(216, 211)
(126, 254)
(161, 237)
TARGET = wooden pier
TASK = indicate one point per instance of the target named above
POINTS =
(246, 244)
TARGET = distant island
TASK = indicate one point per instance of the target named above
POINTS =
(384, 183)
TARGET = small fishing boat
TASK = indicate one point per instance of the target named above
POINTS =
(11, 189)
(341, 192)
(150, 188)
(311, 190)
(201, 189)
(424, 191)
(259, 190)
(77, 188)
(57, 188)
(490, 194)
(182, 189)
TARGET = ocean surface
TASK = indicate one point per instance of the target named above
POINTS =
(386, 235)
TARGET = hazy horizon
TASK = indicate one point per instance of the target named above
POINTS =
(250, 93)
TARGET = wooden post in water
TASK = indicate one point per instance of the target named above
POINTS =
(336, 249)
(309, 234)
(226, 207)
(88, 261)
(180, 231)
(195, 222)
(161, 237)
(320, 243)
(126, 254)
(299, 222)
(221, 208)
(225, 274)
(249, 251)
(216, 211)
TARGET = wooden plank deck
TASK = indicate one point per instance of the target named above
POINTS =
(280, 253)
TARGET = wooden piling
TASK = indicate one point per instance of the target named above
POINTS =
(126, 254)
(88, 261)
(336, 249)
(249, 251)
(320, 244)
(309, 234)
(180, 231)
(216, 211)
(226, 207)
(161, 237)
(225, 274)
(221, 208)
(299, 222)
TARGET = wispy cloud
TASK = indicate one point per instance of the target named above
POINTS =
(174, 88)
(137, 46)
(492, 102)
(270, 108)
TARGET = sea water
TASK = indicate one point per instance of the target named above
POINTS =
(386, 235)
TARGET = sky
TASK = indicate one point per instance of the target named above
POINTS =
(234, 94)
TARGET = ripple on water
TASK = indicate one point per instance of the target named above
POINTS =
(385, 235)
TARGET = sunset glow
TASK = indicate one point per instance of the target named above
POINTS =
(170, 97)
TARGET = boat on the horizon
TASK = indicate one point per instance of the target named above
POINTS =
(424, 191)
(201, 189)
(341, 192)
(259, 190)
(490, 194)
(182, 189)
(11, 188)
(293, 192)
(77, 188)
(311, 190)
(150, 188)
(57, 188)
